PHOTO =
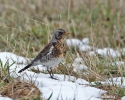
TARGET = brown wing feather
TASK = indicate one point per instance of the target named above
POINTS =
(43, 52)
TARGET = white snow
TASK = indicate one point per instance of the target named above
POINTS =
(81, 81)
(85, 48)
(123, 98)
(79, 64)
(92, 53)
(4, 98)
(123, 51)
(4, 56)
(66, 88)
(78, 60)
(85, 41)
(80, 67)
(120, 81)
(74, 42)
(108, 52)
(83, 45)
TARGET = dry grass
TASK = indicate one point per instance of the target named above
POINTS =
(27, 26)
(20, 91)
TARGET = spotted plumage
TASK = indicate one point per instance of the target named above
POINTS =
(52, 54)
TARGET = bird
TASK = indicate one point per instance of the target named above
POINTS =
(52, 54)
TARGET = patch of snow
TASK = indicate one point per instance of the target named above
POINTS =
(123, 51)
(123, 98)
(79, 64)
(92, 53)
(78, 60)
(4, 98)
(79, 67)
(85, 48)
(120, 81)
(73, 42)
(108, 52)
(81, 81)
(4, 56)
(62, 89)
(85, 41)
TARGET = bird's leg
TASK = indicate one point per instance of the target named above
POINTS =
(51, 73)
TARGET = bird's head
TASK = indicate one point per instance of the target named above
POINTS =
(59, 34)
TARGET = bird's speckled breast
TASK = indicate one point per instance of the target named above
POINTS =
(59, 49)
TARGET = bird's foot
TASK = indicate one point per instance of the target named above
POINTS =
(54, 77)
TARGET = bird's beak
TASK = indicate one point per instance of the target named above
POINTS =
(66, 33)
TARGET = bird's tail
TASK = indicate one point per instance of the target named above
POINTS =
(25, 68)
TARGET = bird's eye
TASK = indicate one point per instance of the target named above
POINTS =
(60, 33)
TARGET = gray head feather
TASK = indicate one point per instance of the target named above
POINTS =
(57, 35)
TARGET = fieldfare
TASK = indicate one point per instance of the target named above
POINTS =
(52, 54)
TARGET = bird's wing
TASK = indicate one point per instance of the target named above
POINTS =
(44, 52)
